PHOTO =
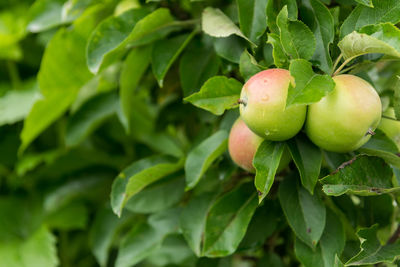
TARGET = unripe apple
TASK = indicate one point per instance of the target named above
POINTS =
(345, 119)
(263, 106)
(391, 127)
(243, 144)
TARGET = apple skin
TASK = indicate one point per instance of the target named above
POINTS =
(263, 106)
(390, 127)
(243, 144)
(340, 121)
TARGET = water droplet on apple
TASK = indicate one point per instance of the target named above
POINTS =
(265, 98)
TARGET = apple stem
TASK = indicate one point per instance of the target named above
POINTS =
(241, 101)
(370, 132)
(337, 62)
(342, 66)
(389, 118)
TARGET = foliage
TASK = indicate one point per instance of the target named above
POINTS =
(114, 125)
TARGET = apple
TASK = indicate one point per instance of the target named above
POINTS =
(263, 106)
(243, 144)
(391, 127)
(345, 119)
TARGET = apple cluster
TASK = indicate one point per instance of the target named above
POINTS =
(342, 121)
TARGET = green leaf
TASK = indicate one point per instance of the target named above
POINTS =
(382, 146)
(280, 58)
(382, 38)
(362, 175)
(71, 217)
(158, 196)
(198, 63)
(372, 251)
(218, 94)
(230, 48)
(266, 162)
(132, 71)
(248, 65)
(139, 175)
(16, 104)
(102, 233)
(46, 14)
(138, 29)
(319, 19)
(38, 250)
(146, 238)
(90, 116)
(297, 39)
(203, 155)
(383, 11)
(252, 17)
(331, 244)
(227, 221)
(165, 52)
(215, 23)
(193, 220)
(367, 3)
(308, 160)
(310, 87)
(305, 213)
(273, 9)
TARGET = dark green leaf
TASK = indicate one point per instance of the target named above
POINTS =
(230, 48)
(310, 87)
(248, 65)
(363, 175)
(273, 9)
(266, 162)
(305, 213)
(203, 155)
(372, 251)
(217, 95)
(297, 39)
(308, 160)
(367, 3)
(280, 58)
(253, 18)
(165, 52)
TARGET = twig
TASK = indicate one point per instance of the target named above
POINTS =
(395, 236)
(342, 66)
(389, 118)
(337, 62)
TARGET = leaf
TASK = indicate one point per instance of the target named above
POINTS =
(331, 244)
(146, 238)
(227, 221)
(372, 251)
(215, 23)
(101, 234)
(310, 87)
(82, 123)
(248, 65)
(305, 213)
(252, 17)
(140, 30)
(193, 220)
(363, 175)
(382, 146)
(273, 9)
(280, 58)
(321, 23)
(165, 52)
(198, 63)
(45, 14)
(382, 38)
(16, 104)
(38, 250)
(308, 160)
(71, 217)
(62, 73)
(396, 98)
(203, 155)
(218, 94)
(383, 11)
(266, 162)
(132, 71)
(230, 48)
(158, 196)
(139, 175)
(367, 3)
(297, 39)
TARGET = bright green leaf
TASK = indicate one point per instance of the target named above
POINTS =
(280, 58)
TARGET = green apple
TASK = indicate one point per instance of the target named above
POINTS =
(391, 127)
(263, 106)
(345, 119)
(243, 144)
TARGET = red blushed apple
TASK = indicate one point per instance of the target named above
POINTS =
(243, 144)
(263, 106)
